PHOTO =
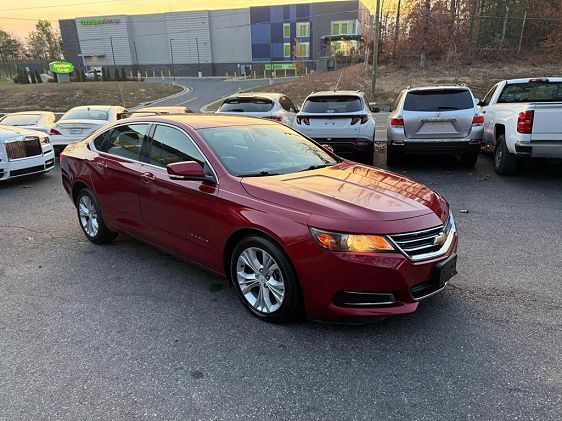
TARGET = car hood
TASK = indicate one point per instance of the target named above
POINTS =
(351, 192)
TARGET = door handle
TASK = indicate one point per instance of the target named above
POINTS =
(102, 165)
(147, 177)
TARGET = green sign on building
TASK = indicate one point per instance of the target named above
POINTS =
(61, 67)
(280, 66)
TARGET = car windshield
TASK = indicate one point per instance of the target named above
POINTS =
(21, 120)
(333, 104)
(86, 114)
(262, 150)
(247, 105)
(532, 92)
(438, 100)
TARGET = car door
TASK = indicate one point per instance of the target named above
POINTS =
(290, 110)
(489, 116)
(178, 214)
(115, 174)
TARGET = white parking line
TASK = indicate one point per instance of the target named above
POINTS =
(189, 100)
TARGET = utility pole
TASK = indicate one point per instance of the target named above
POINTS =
(172, 56)
(198, 60)
(136, 57)
(375, 49)
(522, 30)
(112, 51)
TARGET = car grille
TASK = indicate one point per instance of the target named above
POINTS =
(30, 146)
(426, 244)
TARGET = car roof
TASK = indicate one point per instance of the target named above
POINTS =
(95, 107)
(204, 121)
(270, 95)
(31, 113)
(435, 87)
(336, 93)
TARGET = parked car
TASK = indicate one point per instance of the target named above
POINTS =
(24, 152)
(342, 120)
(523, 119)
(33, 120)
(273, 106)
(79, 122)
(147, 111)
(435, 119)
(291, 225)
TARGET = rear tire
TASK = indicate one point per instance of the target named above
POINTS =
(469, 159)
(505, 163)
(265, 280)
(393, 157)
(91, 219)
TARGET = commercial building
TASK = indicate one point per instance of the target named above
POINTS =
(214, 42)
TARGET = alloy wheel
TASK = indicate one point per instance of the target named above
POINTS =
(88, 215)
(260, 280)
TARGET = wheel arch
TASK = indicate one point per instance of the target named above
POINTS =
(76, 188)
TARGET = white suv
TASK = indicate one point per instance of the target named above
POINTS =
(342, 120)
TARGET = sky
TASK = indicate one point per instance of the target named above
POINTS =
(19, 18)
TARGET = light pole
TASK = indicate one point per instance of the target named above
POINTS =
(136, 57)
(112, 51)
(198, 60)
(172, 56)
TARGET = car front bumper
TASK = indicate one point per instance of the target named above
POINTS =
(332, 281)
(27, 166)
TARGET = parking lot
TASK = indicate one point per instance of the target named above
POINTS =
(125, 331)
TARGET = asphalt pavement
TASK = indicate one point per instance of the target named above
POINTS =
(125, 331)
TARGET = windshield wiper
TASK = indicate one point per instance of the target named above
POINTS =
(315, 167)
(259, 174)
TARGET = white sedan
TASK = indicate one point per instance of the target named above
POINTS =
(79, 122)
(32, 120)
(24, 152)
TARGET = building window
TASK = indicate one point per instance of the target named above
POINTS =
(287, 50)
(303, 29)
(304, 49)
(286, 30)
(344, 27)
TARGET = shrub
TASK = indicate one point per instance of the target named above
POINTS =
(116, 75)
(123, 74)
(38, 77)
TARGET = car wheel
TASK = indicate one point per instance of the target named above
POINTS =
(265, 280)
(505, 162)
(393, 157)
(91, 220)
(469, 159)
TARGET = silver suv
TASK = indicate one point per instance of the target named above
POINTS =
(435, 119)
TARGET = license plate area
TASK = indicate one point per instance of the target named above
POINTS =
(445, 270)
(75, 131)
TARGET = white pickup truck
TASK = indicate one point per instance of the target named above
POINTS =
(523, 119)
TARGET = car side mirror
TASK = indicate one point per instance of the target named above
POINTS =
(297, 109)
(189, 170)
(328, 148)
(375, 109)
(481, 104)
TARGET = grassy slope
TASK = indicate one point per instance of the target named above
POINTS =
(390, 80)
(61, 97)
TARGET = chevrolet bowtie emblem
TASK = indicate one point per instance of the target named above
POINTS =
(440, 239)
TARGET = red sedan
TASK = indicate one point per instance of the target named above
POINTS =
(293, 226)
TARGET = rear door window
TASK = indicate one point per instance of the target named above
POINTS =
(171, 145)
(532, 92)
(333, 104)
(438, 100)
(124, 141)
(247, 105)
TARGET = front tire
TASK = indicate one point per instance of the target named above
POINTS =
(91, 219)
(265, 280)
(505, 163)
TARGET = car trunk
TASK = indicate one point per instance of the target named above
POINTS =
(325, 125)
(78, 127)
(438, 125)
(547, 122)
(438, 113)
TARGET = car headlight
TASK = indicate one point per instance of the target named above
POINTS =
(359, 243)
(45, 140)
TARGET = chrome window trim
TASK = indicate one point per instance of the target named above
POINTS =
(151, 123)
